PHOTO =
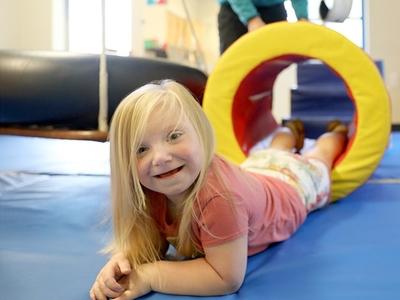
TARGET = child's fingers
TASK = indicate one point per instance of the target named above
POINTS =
(128, 295)
(92, 296)
(124, 266)
(111, 284)
(96, 293)
(111, 271)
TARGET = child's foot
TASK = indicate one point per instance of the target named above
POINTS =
(297, 128)
(337, 126)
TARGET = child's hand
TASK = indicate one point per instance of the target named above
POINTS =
(137, 283)
(106, 284)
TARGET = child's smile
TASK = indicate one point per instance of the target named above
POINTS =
(170, 173)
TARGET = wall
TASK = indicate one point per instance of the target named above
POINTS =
(168, 25)
(26, 24)
(6, 21)
(383, 43)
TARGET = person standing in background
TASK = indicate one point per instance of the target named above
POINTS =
(237, 17)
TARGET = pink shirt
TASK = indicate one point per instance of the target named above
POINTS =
(268, 210)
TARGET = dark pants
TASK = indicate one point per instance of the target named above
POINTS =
(230, 28)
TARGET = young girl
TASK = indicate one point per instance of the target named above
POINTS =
(170, 188)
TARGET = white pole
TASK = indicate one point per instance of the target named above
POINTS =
(103, 77)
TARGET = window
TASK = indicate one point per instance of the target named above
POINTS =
(84, 26)
(352, 27)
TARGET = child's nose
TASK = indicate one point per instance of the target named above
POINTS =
(161, 155)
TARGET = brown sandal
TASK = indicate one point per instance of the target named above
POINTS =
(297, 128)
(337, 126)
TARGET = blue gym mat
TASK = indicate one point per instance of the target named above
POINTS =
(53, 221)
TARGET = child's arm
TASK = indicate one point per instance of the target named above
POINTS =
(108, 282)
(220, 272)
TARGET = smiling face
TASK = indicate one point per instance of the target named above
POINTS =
(169, 157)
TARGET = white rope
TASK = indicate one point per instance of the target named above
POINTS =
(385, 181)
(338, 12)
(103, 76)
(199, 55)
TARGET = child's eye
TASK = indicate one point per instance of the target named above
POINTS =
(174, 135)
(141, 150)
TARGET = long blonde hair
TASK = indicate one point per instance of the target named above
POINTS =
(135, 232)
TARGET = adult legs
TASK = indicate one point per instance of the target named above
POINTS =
(274, 13)
(230, 28)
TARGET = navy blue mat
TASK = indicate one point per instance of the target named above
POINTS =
(51, 213)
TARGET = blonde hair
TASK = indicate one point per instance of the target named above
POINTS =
(135, 232)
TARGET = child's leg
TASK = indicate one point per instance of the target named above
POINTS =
(329, 145)
(289, 137)
(283, 140)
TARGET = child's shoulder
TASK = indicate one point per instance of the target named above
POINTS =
(226, 174)
(222, 162)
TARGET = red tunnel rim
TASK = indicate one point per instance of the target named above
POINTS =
(274, 66)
